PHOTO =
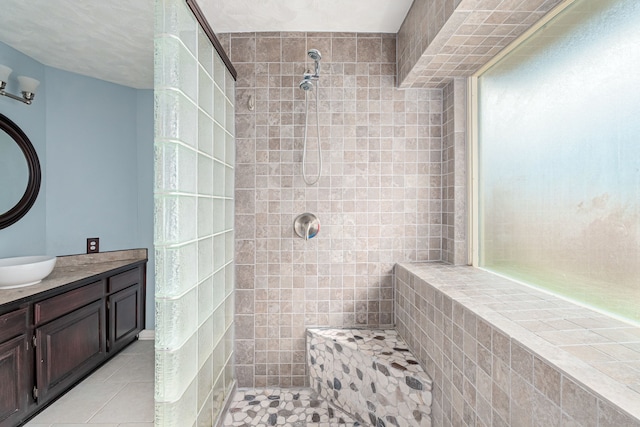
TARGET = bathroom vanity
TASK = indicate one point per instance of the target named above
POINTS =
(56, 332)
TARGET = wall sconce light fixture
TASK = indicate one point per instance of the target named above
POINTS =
(27, 85)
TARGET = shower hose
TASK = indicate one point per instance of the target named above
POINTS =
(306, 126)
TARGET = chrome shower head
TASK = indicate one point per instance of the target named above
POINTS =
(306, 84)
(314, 54)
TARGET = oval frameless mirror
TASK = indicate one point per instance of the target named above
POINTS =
(19, 173)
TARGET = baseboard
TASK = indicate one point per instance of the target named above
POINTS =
(147, 334)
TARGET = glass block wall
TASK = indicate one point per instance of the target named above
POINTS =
(194, 188)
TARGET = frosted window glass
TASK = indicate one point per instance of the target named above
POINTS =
(559, 158)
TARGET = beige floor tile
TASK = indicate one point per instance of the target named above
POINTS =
(80, 404)
(108, 369)
(119, 394)
(140, 347)
(138, 368)
(84, 425)
(134, 403)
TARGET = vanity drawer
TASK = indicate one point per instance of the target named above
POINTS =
(62, 304)
(124, 280)
(13, 324)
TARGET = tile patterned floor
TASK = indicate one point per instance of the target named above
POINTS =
(119, 394)
(289, 407)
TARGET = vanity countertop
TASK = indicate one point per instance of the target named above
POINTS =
(72, 268)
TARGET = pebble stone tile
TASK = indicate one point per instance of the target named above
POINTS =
(291, 407)
(371, 375)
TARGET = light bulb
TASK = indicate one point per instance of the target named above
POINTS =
(27, 84)
(4, 73)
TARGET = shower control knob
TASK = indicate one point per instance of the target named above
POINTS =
(306, 225)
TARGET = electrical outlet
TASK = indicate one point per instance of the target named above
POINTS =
(93, 245)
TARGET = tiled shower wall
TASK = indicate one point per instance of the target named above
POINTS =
(378, 201)
(422, 24)
(503, 354)
(454, 172)
(194, 243)
(443, 39)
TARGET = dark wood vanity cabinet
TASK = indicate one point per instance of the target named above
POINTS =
(53, 342)
(68, 348)
(15, 374)
(125, 304)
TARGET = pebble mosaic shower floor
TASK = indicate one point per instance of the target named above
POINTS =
(289, 407)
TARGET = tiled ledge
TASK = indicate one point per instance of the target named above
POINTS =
(581, 361)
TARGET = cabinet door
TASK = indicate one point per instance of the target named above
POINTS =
(14, 390)
(125, 316)
(68, 348)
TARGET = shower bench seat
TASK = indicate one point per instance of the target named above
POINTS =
(370, 374)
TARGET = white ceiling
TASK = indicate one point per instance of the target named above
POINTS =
(112, 40)
(368, 16)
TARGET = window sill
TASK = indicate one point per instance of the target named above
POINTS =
(598, 352)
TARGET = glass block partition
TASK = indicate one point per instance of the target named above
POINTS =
(194, 208)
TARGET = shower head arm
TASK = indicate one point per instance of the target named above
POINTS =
(316, 72)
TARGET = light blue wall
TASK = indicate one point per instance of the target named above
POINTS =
(27, 236)
(145, 191)
(95, 144)
(92, 159)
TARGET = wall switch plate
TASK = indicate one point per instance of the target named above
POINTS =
(93, 245)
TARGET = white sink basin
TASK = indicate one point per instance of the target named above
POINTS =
(25, 270)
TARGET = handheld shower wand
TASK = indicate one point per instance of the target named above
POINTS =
(307, 85)
(316, 56)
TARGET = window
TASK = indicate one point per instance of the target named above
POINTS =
(559, 158)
